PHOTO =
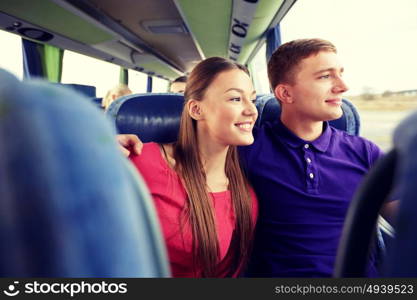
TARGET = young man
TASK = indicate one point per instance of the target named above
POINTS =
(178, 85)
(304, 171)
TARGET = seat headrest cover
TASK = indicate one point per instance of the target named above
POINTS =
(87, 90)
(156, 117)
(68, 206)
(402, 260)
(153, 117)
(269, 109)
(405, 132)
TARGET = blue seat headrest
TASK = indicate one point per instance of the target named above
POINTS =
(269, 109)
(97, 101)
(70, 203)
(153, 117)
(156, 117)
(87, 90)
(401, 260)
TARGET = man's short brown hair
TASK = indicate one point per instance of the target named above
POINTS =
(284, 61)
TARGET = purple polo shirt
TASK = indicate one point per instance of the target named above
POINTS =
(304, 190)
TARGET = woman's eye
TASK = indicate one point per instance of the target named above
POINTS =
(253, 101)
(235, 99)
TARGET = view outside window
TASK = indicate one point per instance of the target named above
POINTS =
(259, 72)
(159, 85)
(81, 69)
(11, 53)
(137, 81)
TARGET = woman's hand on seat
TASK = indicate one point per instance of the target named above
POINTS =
(129, 144)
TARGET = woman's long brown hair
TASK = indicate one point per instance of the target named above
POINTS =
(199, 208)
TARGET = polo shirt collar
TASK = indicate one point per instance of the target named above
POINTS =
(321, 143)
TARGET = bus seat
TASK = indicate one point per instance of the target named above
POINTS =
(393, 177)
(87, 90)
(152, 117)
(402, 259)
(97, 101)
(70, 204)
(156, 117)
(268, 109)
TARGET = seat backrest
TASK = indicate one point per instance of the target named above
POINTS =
(269, 110)
(97, 101)
(87, 90)
(70, 204)
(393, 177)
(156, 117)
(402, 259)
(153, 117)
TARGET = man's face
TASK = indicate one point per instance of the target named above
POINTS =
(316, 92)
(177, 87)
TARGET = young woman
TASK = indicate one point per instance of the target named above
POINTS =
(206, 208)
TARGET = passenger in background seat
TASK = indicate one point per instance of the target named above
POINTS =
(178, 85)
(115, 93)
(206, 207)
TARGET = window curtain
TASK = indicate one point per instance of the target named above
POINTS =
(273, 41)
(40, 60)
(124, 76)
(149, 85)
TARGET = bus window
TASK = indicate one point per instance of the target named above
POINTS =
(159, 85)
(137, 81)
(11, 55)
(81, 69)
(259, 73)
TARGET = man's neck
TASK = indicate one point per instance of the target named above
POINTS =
(304, 129)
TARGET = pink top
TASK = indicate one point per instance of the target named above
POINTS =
(170, 196)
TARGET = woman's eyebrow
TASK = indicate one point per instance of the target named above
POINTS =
(239, 90)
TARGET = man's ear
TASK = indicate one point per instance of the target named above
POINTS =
(283, 92)
(194, 109)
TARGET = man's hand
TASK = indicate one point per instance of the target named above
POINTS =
(129, 144)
